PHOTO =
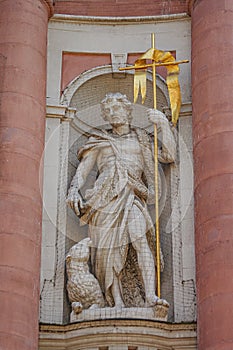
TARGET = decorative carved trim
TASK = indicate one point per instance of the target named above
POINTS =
(116, 333)
(118, 20)
(126, 322)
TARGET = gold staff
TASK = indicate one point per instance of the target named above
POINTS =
(156, 180)
(158, 58)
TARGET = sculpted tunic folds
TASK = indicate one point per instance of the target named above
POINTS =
(125, 181)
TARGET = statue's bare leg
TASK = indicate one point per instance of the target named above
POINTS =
(137, 232)
(146, 265)
(116, 292)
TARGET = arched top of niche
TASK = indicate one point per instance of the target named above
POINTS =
(87, 90)
(77, 82)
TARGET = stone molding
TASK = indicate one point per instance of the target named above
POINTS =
(61, 112)
(118, 20)
(170, 327)
(140, 333)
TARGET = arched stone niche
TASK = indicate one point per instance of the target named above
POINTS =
(84, 94)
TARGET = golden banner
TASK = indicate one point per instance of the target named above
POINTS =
(161, 58)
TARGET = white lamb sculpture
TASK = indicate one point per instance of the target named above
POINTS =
(83, 288)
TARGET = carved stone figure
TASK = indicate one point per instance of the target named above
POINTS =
(83, 288)
(115, 209)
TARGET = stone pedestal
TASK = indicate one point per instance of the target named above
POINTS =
(156, 313)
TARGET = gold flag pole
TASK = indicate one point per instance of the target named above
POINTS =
(156, 65)
(158, 58)
(156, 178)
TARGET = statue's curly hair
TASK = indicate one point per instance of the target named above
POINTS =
(117, 96)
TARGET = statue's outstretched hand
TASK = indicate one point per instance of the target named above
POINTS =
(74, 200)
(156, 117)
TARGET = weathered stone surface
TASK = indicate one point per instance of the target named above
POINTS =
(157, 313)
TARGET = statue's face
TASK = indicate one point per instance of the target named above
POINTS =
(115, 113)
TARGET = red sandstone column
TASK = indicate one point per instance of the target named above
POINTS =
(23, 35)
(212, 79)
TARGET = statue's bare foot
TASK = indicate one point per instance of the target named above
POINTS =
(119, 305)
(155, 300)
(165, 303)
(77, 307)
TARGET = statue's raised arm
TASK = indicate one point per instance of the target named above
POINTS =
(167, 153)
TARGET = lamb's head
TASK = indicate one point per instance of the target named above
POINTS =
(80, 251)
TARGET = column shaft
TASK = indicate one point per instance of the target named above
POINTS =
(212, 76)
(23, 36)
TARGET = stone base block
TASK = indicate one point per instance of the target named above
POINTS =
(157, 313)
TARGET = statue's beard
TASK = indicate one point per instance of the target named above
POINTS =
(120, 123)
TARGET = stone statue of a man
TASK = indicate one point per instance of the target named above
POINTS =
(115, 209)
